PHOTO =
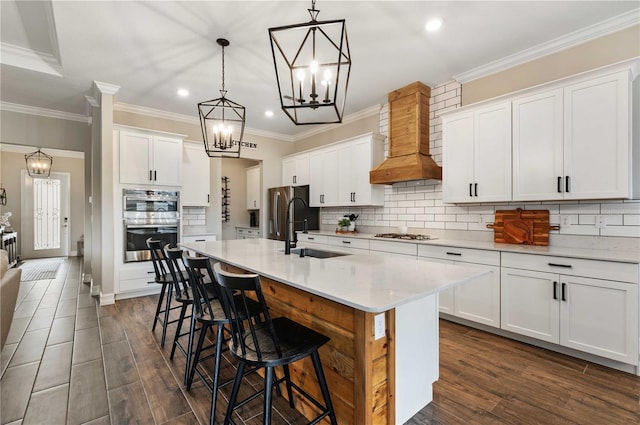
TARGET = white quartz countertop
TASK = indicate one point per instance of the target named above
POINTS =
(622, 255)
(372, 283)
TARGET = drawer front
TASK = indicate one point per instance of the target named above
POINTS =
(491, 258)
(137, 271)
(138, 284)
(252, 232)
(349, 242)
(395, 247)
(204, 238)
(306, 237)
(607, 270)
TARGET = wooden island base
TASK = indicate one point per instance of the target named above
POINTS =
(360, 371)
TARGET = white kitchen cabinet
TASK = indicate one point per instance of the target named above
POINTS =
(147, 158)
(550, 302)
(538, 167)
(573, 142)
(477, 300)
(597, 143)
(295, 170)
(196, 174)
(247, 233)
(477, 154)
(356, 158)
(323, 177)
(253, 188)
(136, 279)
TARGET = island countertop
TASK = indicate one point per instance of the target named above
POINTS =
(371, 283)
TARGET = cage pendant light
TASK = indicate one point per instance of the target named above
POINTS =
(312, 62)
(38, 164)
(222, 121)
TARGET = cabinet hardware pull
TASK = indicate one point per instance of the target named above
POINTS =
(155, 175)
(347, 242)
(559, 184)
(207, 197)
(294, 179)
(566, 188)
(200, 240)
(470, 189)
(476, 189)
(555, 290)
(566, 266)
(150, 175)
(149, 282)
(454, 253)
(311, 239)
(151, 272)
(564, 291)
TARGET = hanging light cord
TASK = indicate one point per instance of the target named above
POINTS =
(223, 68)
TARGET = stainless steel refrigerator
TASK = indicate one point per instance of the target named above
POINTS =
(279, 198)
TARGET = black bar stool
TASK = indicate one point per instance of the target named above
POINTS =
(185, 295)
(269, 344)
(167, 281)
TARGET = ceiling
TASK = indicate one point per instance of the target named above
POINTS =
(52, 51)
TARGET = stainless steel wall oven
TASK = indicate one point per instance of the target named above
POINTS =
(149, 214)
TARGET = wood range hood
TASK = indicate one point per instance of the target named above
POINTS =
(408, 157)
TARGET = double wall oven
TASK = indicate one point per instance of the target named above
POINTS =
(149, 214)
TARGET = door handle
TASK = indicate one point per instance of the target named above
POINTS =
(470, 189)
(155, 175)
(475, 189)
(150, 175)
(566, 184)
(559, 184)
(555, 290)
(564, 291)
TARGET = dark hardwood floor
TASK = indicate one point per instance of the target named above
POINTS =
(66, 359)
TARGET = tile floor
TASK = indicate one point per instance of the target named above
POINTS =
(51, 366)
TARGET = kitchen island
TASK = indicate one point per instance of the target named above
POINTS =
(380, 312)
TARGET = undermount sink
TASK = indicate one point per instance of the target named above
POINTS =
(316, 253)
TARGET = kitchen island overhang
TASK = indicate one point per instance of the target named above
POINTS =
(383, 380)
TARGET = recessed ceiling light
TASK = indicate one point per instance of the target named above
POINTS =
(183, 92)
(434, 24)
(268, 114)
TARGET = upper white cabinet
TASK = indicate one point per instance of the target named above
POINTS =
(253, 188)
(538, 158)
(355, 159)
(147, 158)
(597, 144)
(573, 142)
(323, 177)
(295, 170)
(477, 154)
(195, 176)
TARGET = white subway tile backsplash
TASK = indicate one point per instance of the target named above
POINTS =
(580, 209)
(624, 231)
(445, 217)
(631, 220)
(620, 208)
(455, 226)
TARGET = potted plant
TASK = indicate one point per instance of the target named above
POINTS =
(343, 224)
(352, 221)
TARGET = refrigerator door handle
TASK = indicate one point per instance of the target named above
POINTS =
(276, 215)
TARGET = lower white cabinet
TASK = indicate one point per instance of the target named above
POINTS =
(597, 316)
(135, 278)
(199, 238)
(477, 300)
(247, 233)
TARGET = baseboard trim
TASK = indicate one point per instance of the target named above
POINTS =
(107, 299)
(86, 278)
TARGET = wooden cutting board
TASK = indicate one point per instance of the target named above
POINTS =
(528, 227)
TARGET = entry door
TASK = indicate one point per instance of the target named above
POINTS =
(45, 221)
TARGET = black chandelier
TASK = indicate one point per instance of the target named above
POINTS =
(38, 164)
(222, 121)
(313, 63)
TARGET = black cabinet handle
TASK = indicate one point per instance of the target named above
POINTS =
(566, 184)
(347, 242)
(559, 184)
(566, 266)
(476, 189)
(295, 179)
(155, 175)
(564, 292)
(454, 253)
(207, 197)
(311, 239)
(201, 240)
(555, 290)
(150, 175)
(150, 272)
(470, 189)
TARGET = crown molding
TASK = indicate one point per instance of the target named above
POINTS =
(617, 23)
(373, 110)
(157, 113)
(55, 153)
(43, 112)
(30, 59)
(106, 88)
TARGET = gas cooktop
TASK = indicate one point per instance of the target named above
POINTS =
(405, 236)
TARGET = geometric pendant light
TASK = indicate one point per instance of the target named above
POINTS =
(312, 62)
(38, 164)
(222, 121)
